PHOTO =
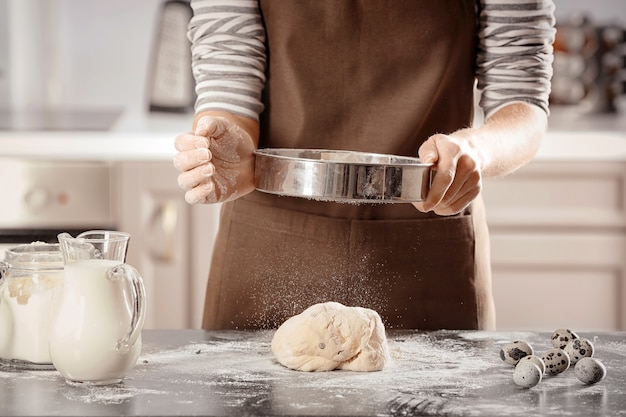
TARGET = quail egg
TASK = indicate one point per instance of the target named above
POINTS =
(512, 352)
(536, 360)
(527, 374)
(556, 360)
(578, 349)
(561, 337)
(590, 370)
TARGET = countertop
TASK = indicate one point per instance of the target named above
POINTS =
(132, 137)
(233, 373)
(150, 137)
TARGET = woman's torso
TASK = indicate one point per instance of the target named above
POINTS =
(376, 76)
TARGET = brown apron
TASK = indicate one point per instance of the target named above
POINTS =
(365, 75)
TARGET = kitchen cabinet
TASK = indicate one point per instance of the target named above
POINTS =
(171, 241)
(558, 242)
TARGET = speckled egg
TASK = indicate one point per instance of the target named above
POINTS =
(590, 370)
(527, 374)
(536, 360)
(561, 337)
(512, 352)
(556, 361)
(578, 349)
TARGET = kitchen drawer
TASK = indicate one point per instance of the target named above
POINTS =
(544, 281)
(558, 245)
(559, 194)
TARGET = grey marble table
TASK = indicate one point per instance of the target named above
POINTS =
(451, 373)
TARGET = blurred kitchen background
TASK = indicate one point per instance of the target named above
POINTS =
(92, 94)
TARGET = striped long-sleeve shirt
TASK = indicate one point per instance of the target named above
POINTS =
(514, 60)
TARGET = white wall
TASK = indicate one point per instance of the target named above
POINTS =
(98, 52)
(4, 55)
(600, 11)
(77, 53)
(106, 48)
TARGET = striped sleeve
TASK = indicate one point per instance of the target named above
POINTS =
(515, 53)
(228, 56)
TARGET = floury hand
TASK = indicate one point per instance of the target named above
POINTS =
(216, 161)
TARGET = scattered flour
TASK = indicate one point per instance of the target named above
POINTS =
(618, 348)
(420, 362)
(440, 373)
(10, 373)
(115, 394)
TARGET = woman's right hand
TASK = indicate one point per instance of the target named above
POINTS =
(216, 160)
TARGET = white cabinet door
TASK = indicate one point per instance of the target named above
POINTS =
(558, 243)
(151, 208)
(171, 241)
(545, 281)
(204, 220)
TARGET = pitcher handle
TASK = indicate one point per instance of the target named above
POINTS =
(127, 272)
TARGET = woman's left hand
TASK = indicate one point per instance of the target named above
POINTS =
(458, 178)
(507, 140)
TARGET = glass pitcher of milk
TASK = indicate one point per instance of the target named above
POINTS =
(98, 314)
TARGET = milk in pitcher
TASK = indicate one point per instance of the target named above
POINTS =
(89, 319)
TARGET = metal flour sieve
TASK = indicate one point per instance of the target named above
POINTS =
(341, 176)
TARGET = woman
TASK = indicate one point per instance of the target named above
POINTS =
(394, 77)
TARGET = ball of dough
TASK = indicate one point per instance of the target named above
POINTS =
(330, 336)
